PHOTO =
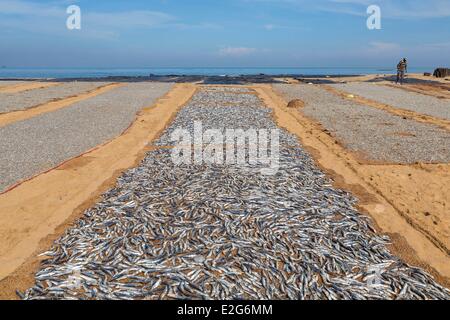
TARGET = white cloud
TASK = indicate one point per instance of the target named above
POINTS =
(236, 51)
(50, 19)
(129, 19)
(383, 47)
(405, 9)
(18, 7)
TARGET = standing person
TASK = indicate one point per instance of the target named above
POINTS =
(402, 68)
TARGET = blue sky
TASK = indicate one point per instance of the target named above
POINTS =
(223, 33)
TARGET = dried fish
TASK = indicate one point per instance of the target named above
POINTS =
(211, 231)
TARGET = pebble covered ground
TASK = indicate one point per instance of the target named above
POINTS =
(38, 144)
(31, 98)
(217, 231)
(398, 98)
(375, 133)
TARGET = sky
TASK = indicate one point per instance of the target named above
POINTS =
(223, 33)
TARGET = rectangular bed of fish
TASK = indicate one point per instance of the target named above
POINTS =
(224, 231)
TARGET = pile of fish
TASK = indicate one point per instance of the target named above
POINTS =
(213, 231)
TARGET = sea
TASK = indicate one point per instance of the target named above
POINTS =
(64, 73)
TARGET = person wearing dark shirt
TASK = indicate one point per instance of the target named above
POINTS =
(402, 68)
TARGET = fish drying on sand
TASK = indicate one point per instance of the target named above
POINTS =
(223, 231)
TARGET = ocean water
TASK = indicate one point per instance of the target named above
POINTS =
(30, 73)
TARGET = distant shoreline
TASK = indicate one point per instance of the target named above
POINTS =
(261, 78)
(231, 79)
(139, 73)
(188, 76)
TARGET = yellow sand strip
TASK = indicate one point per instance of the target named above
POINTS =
(445, 124)
(3, 86)
(437, 91)
(412, 242)
(28, 86)
(11, 117)
(34, 210)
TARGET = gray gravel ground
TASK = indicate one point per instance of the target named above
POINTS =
(27, 99)
(376, 133)
(224, 231)
(398, 98)
(37, 144)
